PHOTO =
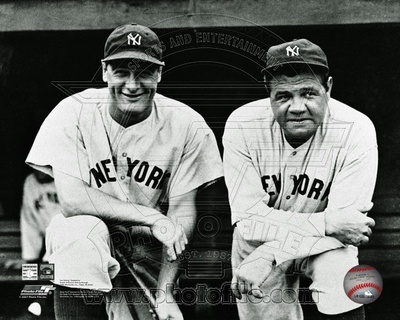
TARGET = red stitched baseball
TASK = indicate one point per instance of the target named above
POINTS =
(362, 269)
(364, 285)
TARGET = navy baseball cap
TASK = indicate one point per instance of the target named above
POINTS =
(133, 41)
(300, 51)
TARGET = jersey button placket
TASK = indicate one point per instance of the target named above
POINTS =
(124, 154)
(123, 170)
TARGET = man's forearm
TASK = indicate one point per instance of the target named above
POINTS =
(287, 240)
(78, 198)
(263, 223)
(290, 235)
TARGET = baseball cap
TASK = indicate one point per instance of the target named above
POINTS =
(300, 51)
(133, 41)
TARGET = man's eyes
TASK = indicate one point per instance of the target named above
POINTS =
(310, 94)
(282, 97)
(122, 73)
(144, 73)
(306, 94)
(138, 73)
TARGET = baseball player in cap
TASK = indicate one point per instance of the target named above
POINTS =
(300, 168)
(39, 206)
(124, 155)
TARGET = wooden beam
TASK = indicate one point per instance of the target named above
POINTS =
(27, 15)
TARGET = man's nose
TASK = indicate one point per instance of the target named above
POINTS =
(297, 104)
(132, 82)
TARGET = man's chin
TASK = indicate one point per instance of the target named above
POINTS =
(299, 135)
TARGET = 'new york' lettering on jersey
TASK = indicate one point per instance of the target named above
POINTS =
(301, 185)
(150, 175)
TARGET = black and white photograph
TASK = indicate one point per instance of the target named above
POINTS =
(199, 159)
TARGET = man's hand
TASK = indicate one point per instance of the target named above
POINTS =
(350, 225)
(171, 235)
(252, 272)
(167, 309)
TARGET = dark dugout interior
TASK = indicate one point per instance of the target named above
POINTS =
(206, 69)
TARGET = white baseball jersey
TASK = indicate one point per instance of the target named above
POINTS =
(39, 205)
(168, 154)
(267, 177)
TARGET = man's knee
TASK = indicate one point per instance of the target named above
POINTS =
(80, 248)
(63, 231)
(327, 272)
(329, 268)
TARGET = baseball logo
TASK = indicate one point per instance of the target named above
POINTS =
(363, 284)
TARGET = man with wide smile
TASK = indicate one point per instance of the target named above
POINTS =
(132, 88)
(127, 163)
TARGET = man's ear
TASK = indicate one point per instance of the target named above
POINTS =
(329, 84)
(159, 73)
(265, 84)
(104, 69)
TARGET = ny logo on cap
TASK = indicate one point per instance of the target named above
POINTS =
(134, 40)
(292, 51)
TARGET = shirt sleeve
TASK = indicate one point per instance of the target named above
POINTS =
(59, 144)
(31, 235)
(249, 201)
(200, 162)
(354, 183)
